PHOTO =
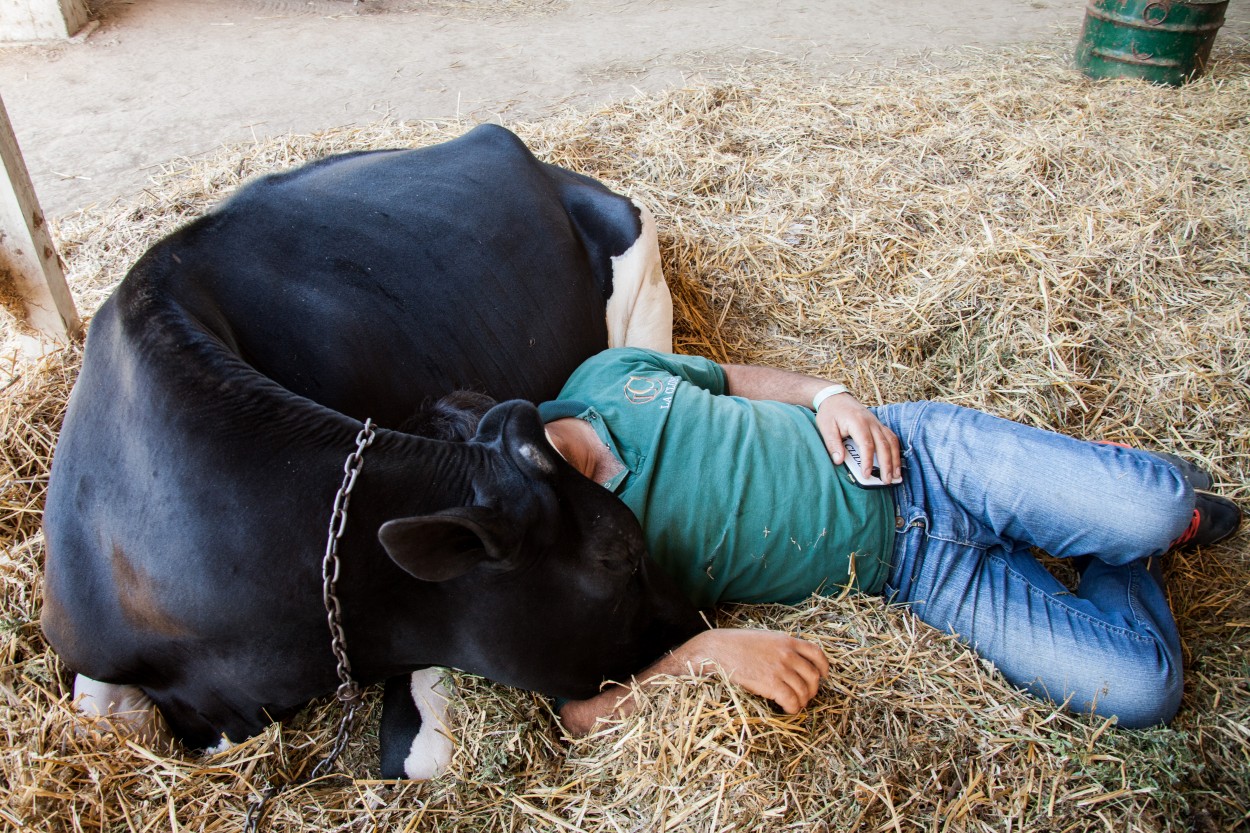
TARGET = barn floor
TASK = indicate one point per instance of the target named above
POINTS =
(160, 79)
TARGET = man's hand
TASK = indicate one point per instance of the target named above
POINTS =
(841, 416)
(783, 669)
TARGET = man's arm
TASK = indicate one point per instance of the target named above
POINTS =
(839, 416)
(770, 664)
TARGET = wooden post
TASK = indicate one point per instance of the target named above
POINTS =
(22, 20)
(28, 261)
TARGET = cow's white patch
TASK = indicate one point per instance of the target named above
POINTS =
(640, 311)
(223, 745)
(431, 748)
(120, 708)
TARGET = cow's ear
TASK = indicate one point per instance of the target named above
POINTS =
(515, 428)
(446, 544)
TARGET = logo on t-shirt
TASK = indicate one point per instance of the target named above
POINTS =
(640, 390)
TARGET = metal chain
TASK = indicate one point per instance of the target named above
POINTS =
(256, 808)
(348, 692)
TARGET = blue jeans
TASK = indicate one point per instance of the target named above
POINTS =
(977, 493)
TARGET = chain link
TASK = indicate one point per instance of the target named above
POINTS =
(349, 691)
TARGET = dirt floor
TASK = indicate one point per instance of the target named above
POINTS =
(160, 79)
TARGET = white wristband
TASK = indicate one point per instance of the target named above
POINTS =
(825, 393)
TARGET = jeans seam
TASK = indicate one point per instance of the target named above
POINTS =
(1036, 591)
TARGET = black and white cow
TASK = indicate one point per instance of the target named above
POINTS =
(223, 385)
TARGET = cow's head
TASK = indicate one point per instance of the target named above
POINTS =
(547, 572)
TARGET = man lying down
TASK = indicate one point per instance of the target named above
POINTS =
(736, 475)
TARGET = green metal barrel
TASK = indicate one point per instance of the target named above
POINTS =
(1162, 41)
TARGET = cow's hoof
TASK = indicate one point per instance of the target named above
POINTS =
(430, 753)
(123, 709)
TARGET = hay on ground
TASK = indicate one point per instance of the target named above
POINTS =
(996, 231)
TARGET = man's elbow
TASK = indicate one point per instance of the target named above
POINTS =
(573, 719)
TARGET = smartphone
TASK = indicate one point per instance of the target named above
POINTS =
(854, 462)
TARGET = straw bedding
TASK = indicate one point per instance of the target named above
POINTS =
(994, 231)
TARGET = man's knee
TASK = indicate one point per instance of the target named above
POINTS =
(1150, 697)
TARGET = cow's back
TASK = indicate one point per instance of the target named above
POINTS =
(370, 282)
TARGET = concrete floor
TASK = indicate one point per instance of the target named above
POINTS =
(160, 79)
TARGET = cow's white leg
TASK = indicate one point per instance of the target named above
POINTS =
(640, 311)
(431, 748)
(121, 708)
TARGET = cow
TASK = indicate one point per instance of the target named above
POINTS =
(226, 381)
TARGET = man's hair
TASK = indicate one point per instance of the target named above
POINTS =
(454, 417)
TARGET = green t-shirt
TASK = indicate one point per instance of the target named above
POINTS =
(737, 498)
